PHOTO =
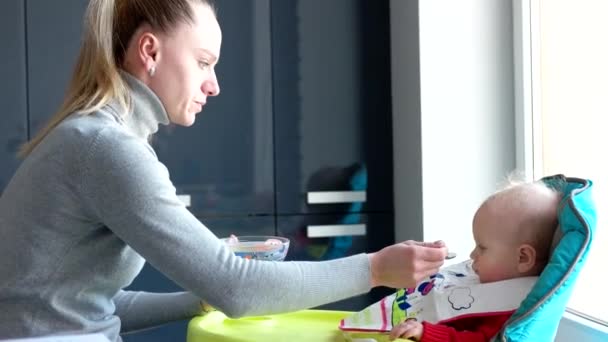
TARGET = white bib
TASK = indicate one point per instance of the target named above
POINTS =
(455, 292)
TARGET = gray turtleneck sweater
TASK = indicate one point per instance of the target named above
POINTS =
(92, 202)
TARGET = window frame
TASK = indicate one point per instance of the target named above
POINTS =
(574, 324)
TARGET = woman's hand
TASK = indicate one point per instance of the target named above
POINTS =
(405, 264)
(408, 329)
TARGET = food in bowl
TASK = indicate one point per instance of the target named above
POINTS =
(271, 248)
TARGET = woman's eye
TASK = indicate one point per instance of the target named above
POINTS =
(203, 64)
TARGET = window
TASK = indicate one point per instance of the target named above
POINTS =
(568, 121)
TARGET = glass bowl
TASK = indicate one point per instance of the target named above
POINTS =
(271, 248)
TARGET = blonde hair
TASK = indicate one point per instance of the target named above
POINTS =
(108, 27)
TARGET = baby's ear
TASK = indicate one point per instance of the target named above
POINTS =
(526, 258)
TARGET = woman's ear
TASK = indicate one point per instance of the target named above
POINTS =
(526, 258)
(148, 47)
(143, 53)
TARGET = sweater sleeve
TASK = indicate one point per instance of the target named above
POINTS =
(130, 192)
(142, 310)
(471, 329)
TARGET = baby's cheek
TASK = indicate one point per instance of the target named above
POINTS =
(495, 272)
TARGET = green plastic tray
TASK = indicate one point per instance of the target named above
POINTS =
(304, 326)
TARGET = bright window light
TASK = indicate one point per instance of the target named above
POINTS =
(569, 48)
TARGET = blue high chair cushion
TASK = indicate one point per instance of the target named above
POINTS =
(539, 314)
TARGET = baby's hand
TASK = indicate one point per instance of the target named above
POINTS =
(408, 329)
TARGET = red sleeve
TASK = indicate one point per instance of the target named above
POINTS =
(470, 329)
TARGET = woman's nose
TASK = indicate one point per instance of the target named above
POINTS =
(210, 86)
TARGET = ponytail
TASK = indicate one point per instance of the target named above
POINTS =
(96, 79)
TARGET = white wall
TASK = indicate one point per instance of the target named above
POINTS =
(453, 114)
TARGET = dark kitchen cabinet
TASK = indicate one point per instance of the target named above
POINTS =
(332, 105)
(13, 95)
(332, 127)
(53, 39)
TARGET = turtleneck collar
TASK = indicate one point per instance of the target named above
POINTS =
(147, 111)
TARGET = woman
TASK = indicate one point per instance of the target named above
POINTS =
(91, 201)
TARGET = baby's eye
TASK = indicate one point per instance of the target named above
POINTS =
(203, 64)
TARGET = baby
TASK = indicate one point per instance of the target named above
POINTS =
(515, 232)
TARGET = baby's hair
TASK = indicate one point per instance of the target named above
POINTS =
(513, 179)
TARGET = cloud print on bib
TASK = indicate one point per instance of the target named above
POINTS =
(461, 298)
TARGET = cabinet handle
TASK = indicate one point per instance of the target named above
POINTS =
(336, 230)
(320, 197)
(185, 199)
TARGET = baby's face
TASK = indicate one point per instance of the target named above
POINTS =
(495, 256)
